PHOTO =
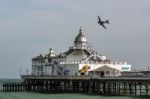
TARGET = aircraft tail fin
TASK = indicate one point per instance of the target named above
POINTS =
(107, 21)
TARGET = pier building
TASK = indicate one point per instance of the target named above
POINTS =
(80, 59)
(70, 72)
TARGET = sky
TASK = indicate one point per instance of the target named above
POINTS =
(31, 27)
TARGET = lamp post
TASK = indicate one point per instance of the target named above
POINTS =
(27, 71)
(20, 71)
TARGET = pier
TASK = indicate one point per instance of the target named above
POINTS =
(130, 86)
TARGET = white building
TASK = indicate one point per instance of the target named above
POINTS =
(80, 59)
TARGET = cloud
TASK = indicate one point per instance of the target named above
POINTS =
(30, 27)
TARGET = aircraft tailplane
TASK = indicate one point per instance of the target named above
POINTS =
(107, 21)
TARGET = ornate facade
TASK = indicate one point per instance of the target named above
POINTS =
(80, 59)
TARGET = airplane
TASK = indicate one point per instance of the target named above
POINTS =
(100, 22)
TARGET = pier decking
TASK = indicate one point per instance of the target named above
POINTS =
(82, 84)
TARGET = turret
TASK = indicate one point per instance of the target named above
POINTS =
(51, 53)
(80, 40)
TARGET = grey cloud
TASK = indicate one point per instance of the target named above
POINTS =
(30, 27)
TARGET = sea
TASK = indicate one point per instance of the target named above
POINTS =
(32, 95)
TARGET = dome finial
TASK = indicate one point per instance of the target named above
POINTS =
(80, 30)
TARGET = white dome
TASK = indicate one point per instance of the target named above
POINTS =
(80, 38)
(51, 53)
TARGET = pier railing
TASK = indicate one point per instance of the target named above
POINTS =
(54, 77)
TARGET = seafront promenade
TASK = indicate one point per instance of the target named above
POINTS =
(131, 86)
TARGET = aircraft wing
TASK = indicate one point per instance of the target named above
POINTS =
(99, 18)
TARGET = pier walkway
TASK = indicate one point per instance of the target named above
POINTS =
(132, 86)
